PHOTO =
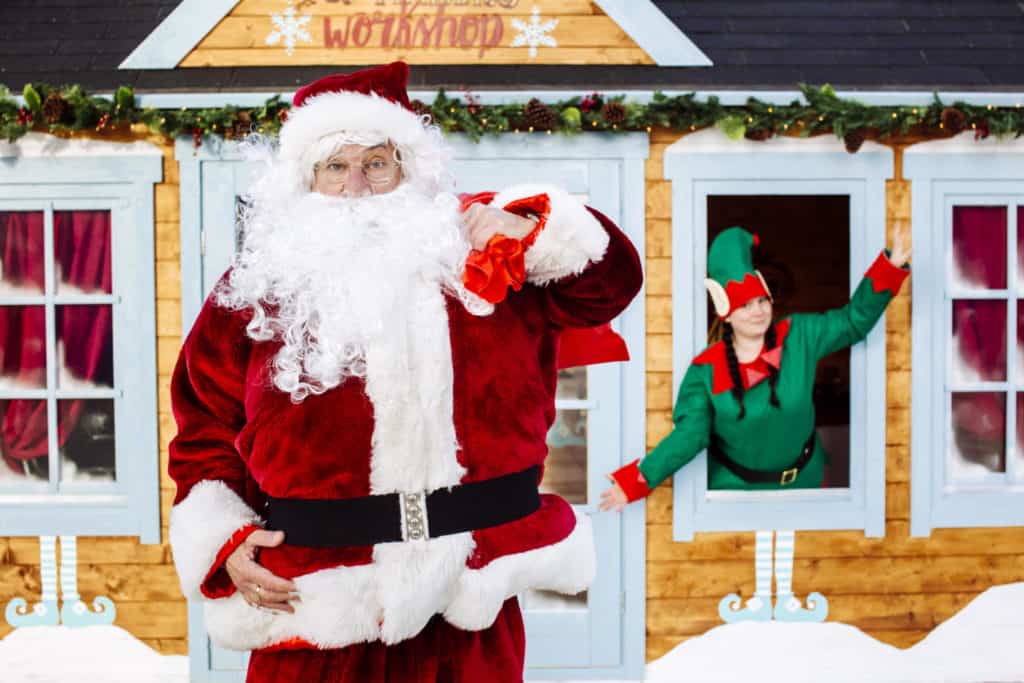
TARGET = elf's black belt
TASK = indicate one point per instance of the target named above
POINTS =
(394, 517)
(751, 476)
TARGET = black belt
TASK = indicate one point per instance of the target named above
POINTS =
(783, 477)
(392, 517)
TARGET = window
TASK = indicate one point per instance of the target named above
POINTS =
(78, 416)
(968, 318)
(600, 419)
(822, 213)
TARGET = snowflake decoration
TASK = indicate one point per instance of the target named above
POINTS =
(289, 28)
(534, 33)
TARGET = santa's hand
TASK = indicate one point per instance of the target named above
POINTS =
(483, 222)
(258, 586)
(613, 499)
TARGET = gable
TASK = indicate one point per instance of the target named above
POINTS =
(233, 33)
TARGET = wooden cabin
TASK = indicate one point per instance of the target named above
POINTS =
(923, 507)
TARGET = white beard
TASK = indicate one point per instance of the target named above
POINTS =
(332, 277)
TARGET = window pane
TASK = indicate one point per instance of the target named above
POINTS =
(979, 341)
(81, 240)
(572, 383)
(85, 350)
(565, 470)
(23, 441)
(808, 270)
(1020, 247)
(1019, 355)
(22, 270)
(979, 247)
(87, 440)
(1019, 447)
(977, 444)
(22, 347)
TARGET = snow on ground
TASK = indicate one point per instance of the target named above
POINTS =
(981, 643)
(95, 654)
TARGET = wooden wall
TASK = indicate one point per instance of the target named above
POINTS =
(140, 579)
(435, 33)
(895, 588)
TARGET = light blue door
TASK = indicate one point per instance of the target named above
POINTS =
(601, 412)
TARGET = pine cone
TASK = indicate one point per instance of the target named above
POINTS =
(854, 139)
(56, 109)
(953, 119)
(758, 134)
(613, 113)
(241, 126)
(540, 115)
(422, 108)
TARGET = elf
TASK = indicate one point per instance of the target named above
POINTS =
(747, 400)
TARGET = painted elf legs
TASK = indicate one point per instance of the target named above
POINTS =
(73, 612)
(787, 606)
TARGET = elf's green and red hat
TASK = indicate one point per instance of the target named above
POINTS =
(732, 279)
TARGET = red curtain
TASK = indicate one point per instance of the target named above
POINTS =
(82, 245)
(979, 251)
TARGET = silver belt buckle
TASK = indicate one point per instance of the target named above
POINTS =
(415, 526)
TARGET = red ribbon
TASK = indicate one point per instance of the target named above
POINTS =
(502, 263)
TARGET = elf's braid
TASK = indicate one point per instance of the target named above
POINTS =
(770, 341)
(734, 368)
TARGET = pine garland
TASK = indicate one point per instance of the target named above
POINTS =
(47, 108)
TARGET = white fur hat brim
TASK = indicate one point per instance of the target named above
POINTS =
(349, 112)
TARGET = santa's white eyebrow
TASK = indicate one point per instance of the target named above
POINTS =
(334, 157)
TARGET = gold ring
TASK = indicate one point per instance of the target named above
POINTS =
(259, 590)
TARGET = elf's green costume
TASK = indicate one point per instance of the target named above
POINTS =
(760, 436)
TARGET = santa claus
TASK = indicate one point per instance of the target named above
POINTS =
(363, 401)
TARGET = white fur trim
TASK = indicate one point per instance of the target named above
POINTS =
(409, 380)
(342, 605)
(200, 526)
(572, 239)
(349, 112)
(566, 567)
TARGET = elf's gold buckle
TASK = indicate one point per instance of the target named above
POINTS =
(788, 476)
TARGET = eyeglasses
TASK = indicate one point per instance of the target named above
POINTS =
(376, 171)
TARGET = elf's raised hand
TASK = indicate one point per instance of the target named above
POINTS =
(900, 254)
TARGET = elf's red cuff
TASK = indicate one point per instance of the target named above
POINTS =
(217, 583)
(884, 275)
(632, 482)
(502, 263)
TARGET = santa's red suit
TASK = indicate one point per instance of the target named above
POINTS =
(457, 398)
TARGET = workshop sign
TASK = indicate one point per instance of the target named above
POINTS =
(330, 32)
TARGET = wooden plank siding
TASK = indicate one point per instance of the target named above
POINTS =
(895, 588)
(434, 33)
(140, 579)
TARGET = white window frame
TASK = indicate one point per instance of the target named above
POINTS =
(706, 164)
(612, 167)
(43, 173)
(944, 173)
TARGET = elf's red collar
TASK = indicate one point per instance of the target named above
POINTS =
(752, 372)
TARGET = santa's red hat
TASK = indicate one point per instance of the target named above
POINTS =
(368, 102)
